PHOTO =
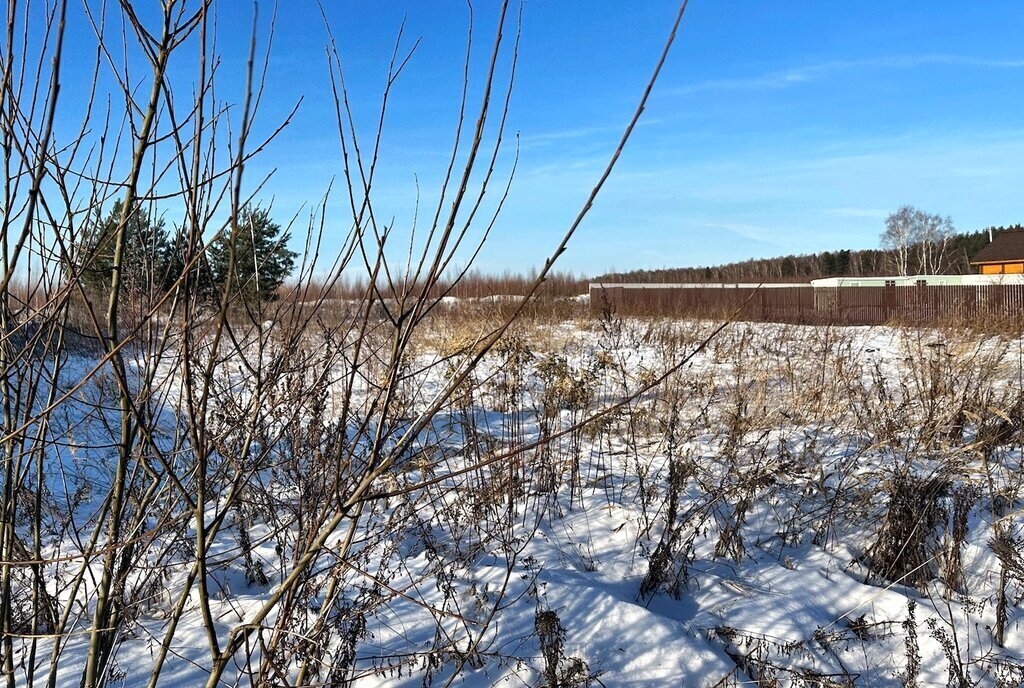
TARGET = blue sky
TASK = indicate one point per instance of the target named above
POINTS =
(781, 127)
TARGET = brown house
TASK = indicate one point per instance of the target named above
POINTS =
(1003, 256)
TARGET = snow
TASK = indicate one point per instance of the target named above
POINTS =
(779, 421)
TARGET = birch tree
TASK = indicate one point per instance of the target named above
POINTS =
(917, 241)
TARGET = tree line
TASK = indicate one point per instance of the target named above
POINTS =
(913, 242)
(904, 253)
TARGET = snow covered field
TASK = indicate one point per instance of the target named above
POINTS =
(789, 506)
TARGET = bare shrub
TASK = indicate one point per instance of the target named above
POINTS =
(903, 547)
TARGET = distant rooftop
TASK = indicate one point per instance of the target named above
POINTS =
(1008, 246)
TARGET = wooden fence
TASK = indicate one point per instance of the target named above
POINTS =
(815, 305)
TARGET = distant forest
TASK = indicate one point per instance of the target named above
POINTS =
(845, 263)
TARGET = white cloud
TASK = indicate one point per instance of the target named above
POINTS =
(800, 75)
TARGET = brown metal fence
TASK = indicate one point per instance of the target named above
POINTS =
(821, 305)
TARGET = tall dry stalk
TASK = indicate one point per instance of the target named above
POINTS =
(157, 440)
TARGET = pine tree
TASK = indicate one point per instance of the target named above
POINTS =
(181, 251)
(262, 260)
(145, 265)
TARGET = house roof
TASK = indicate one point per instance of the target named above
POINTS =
(1007, 246)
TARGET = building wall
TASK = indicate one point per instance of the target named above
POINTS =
(1003, 269)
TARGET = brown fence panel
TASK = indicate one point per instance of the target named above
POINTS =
(808, 305)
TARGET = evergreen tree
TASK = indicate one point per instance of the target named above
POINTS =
(145, 263)
(262, 260)
(179, 254)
